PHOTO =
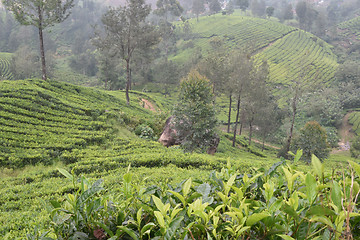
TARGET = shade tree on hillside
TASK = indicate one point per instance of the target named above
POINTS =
(257, 95)
(270, 11)
(348, 79)
(240, 68)
(198, 7)
(324, 106)
(243, 4)
(126, 31)
(194, 114)
(312, 139)
(25, 63)
(258, 8)
(167, 10)
(167, 75)
(41, 14)
(214, 65)
(297, 86)
(269, 119)
(286, 12)
(306, 15)
(214, 6)
(110, 71)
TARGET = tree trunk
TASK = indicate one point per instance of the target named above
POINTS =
(250, 129)
(242, 120)
(42, 50)
(128, 82)
(236, 121)
(292, 124)
(229, 116)
(263, 143)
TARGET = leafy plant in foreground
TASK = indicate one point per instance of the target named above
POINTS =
(279, 203)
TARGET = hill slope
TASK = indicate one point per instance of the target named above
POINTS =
(5, 71)
(288, 50)
(42, 120)
(90, 133)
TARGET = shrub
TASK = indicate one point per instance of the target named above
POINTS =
(355, 148)
(280, 202)
(312, 140)
(144, 131)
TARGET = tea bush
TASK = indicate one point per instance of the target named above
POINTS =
(278, 203)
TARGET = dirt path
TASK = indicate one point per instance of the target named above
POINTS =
(346, 134)
(148, 105)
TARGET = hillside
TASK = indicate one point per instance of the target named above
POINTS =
(5, 71)
(354, 120)
(289, 51)
(349, 31)
(91, 133)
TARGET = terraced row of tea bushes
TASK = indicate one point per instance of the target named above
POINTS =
(40, 120)
(150, 162)
(20, 206)
(299, 55)
(350, 28)
(5, 71)
(354, 119)
(279, 203)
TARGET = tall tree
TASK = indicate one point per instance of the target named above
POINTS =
(194, 115)
(258, 8)
(41, 14)
(243, 4)
(241, 66)
(214, 6)
(167, 8)
(198, 7)
(297, 88)
(126, 31)
(287, 12)
(269, 11)
(257, 94)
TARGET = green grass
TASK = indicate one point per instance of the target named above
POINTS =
(5, 71)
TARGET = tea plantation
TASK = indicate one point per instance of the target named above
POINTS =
(289, 51)
(45, 125)
(354, 119)
(5, 71)
(350, 29)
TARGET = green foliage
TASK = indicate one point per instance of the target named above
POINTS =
(194, 114)
(355, 148)
(144, 131)
(312, 140)
(278, 202)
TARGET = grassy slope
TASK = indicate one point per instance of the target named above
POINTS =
(288, 50)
